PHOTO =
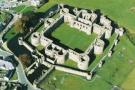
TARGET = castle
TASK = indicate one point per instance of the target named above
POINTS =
(86, 21)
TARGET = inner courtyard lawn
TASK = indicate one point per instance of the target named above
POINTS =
(72, 37)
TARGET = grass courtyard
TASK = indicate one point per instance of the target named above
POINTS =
(72, 37)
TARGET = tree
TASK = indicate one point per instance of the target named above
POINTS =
(25, 59)
(20, 24)
(29, 19)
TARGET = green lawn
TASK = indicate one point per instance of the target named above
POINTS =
(73, 37)
(129, 83)
(40, 47)
(19, 8)
(46, 6)
(23, 9)
(120, 64)
(10, 34)
(63, 81)
(71, 63)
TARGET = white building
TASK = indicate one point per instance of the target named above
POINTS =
(34, 2)
(5, 65)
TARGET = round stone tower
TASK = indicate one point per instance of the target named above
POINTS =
(83, 62)
(61, 57)
(99, 46)
(35, 39)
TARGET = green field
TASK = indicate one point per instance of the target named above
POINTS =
(73, 37)
(120, 64)
(129, 83)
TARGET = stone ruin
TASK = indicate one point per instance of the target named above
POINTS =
(83, 20)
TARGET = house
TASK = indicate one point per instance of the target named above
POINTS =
(7, 68)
